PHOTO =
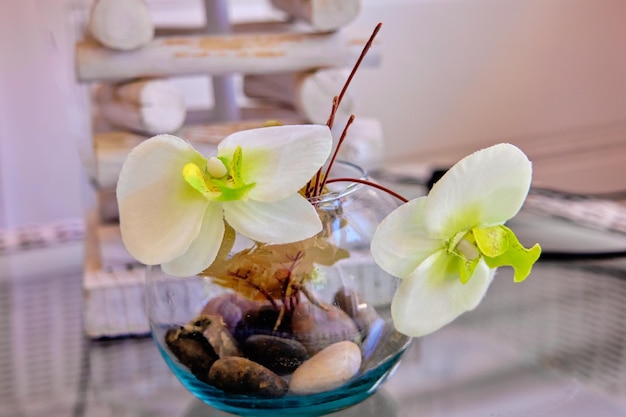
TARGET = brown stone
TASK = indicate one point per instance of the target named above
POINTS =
(319, 326)
(363, 314)
(192, 350)
(215, 331)
(238, 375)
(231, 307)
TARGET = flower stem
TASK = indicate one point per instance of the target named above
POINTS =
(337, 100)
(320, 187)
(315, 186)
(370, 184)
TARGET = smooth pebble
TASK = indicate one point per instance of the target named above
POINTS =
(192, 349)
(363, 314)
(231, 307)
(238, 375)
(278, 354)
(317, 328)
(328, 369)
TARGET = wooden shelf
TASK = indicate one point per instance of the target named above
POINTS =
(220, 54)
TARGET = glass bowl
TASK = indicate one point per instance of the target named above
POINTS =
(297, 329)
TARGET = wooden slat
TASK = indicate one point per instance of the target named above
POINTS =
(148, 106)
(121, 25)
(309, 92)
(220, 54)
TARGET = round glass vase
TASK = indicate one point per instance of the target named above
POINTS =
(294, 329)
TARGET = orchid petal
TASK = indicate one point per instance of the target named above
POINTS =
(160, 214)
(401, 240)
(483, 189)
(203, 249)
(279, 159)
(433, 295)
(289, 220)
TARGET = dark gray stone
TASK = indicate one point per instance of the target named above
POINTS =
(279, 354)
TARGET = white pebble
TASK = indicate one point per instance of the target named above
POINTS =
(330, 368)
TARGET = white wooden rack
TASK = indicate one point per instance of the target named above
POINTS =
(285, 69)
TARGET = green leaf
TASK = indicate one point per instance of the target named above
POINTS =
(516, 255)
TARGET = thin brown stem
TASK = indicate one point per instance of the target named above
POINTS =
(337, 102)
(370, 184)
(314, 187)
(264, 293)
(319, 189)
(333, 112)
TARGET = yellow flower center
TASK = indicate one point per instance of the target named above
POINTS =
(220, 180)
(497, 246)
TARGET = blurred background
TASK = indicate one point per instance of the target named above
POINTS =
(453, 76)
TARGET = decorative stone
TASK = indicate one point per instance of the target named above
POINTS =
(231, 307)
(347, 300)
(371, 326)
(280, 355)
(317, 327)
(237, 375)
(215, 331)
(363, 314)
(263, 321)
(328, 369)
(192, 349)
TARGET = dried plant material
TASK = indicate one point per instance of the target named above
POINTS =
(274, 272)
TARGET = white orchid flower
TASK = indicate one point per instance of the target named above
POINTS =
(447, 245)
(173, 201)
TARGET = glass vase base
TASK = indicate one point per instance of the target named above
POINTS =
(354, 392)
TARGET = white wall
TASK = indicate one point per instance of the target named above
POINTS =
(40, 172)
(461, 72)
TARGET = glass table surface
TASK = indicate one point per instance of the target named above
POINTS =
(552, 346)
